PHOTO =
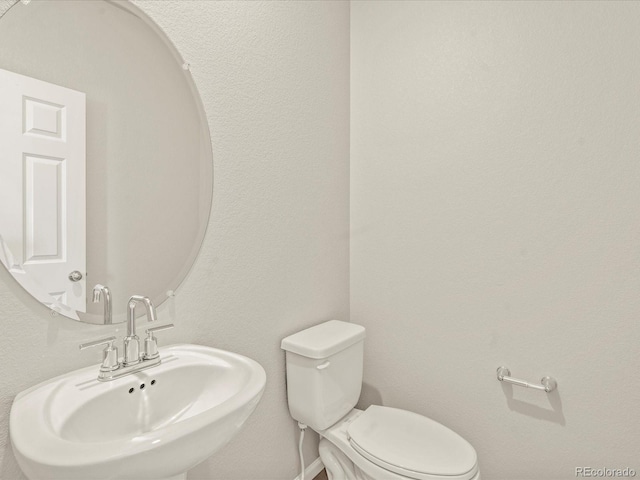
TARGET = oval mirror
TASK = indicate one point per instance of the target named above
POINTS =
(106, 175)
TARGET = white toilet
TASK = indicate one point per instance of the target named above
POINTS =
(324, 379)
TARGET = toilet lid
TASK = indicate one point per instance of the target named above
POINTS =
(408, 444)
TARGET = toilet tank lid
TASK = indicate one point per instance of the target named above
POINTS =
(323, 340)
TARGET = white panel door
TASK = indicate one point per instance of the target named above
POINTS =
(42, 188)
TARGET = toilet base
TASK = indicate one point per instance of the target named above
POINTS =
(338, 465)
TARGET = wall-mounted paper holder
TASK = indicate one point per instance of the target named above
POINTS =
(548, 384)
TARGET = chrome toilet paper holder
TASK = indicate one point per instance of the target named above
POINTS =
(547, 384)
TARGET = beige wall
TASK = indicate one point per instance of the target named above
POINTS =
(495, 198)
(274, 80)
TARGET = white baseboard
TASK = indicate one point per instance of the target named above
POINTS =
(312, 470)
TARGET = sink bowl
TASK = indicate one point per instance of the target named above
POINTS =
(154, 424)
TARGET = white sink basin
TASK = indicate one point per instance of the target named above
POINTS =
(192, 404)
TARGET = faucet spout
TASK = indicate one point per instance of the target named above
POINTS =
(98, 291)
(131, 321)
(131, 341)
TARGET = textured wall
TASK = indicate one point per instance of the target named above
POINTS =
(274, 80)
(495, 198)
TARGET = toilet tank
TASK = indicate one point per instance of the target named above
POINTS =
(324, 372)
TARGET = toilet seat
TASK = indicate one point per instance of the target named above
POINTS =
(412, 445)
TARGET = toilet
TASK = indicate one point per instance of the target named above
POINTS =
(324, 380)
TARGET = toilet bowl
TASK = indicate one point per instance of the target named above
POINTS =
(324, 380)
(380, 446)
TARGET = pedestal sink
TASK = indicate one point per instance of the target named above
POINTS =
(154, 424)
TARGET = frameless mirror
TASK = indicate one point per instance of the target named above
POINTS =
(105, 159)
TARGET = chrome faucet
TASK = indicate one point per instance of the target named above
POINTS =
(98, 292)
(112, 367)
(131, 341)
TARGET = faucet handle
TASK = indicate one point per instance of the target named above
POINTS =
(109, 354)
(104, 341)
(151, 342)
(152, 330)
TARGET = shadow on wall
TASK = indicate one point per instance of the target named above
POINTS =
(369, 396)
(553, 414)
(372, 396)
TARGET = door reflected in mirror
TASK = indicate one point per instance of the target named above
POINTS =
(136, 180)
(42, 185)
